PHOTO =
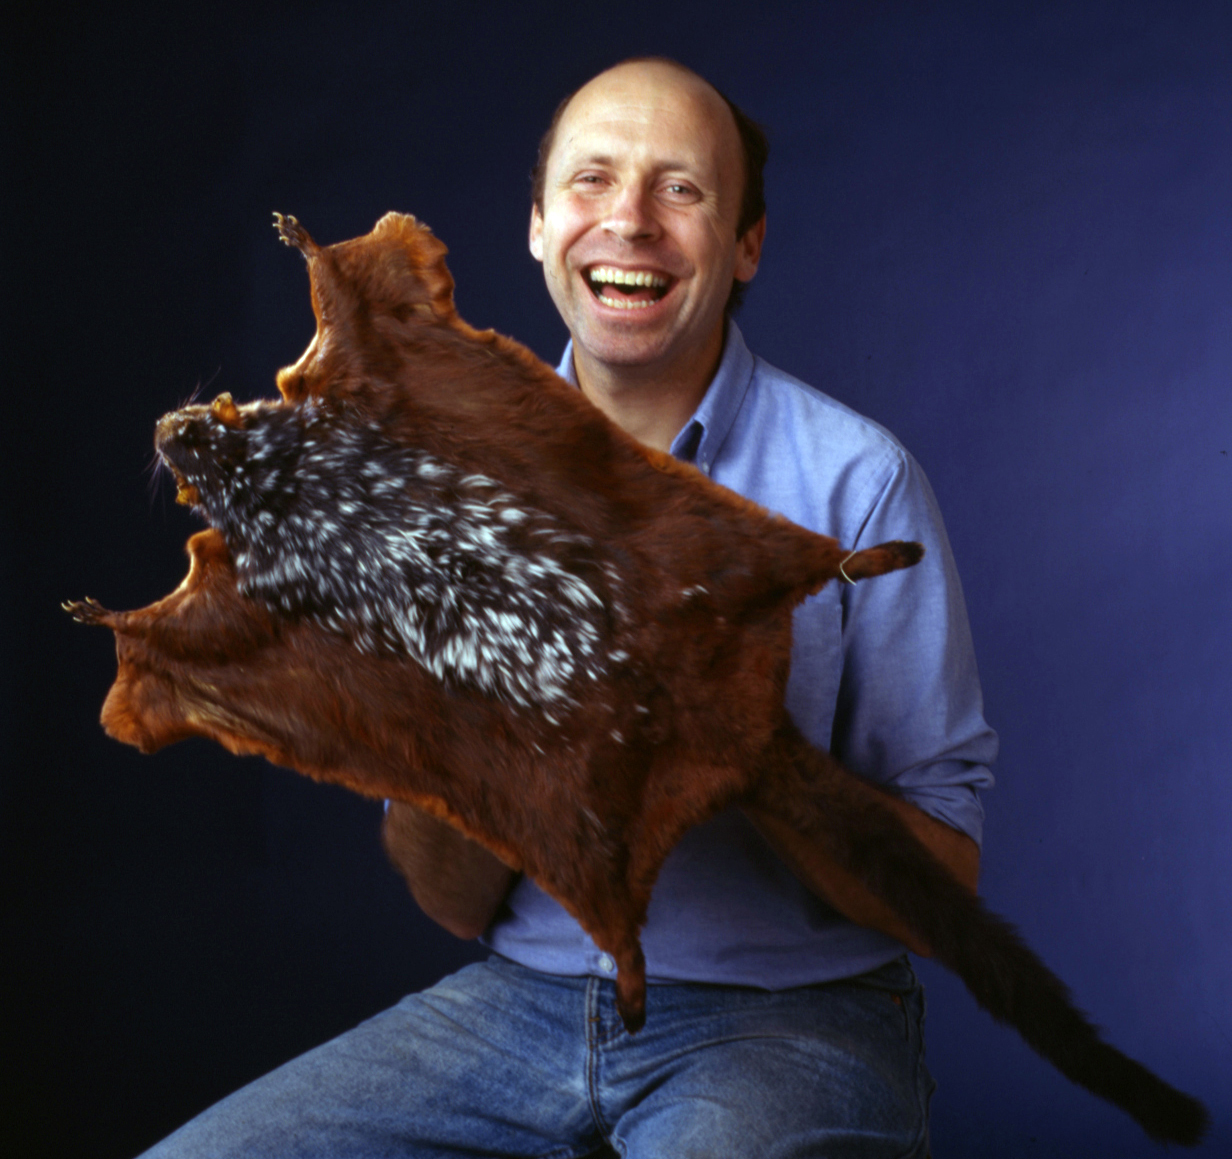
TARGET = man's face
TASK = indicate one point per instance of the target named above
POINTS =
(638, 230)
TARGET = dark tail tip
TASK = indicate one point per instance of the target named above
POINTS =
(1170, 1116)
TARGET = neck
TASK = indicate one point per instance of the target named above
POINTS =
(652, 403)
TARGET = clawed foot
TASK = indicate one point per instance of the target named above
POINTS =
(294, 234)
(885, 557)
(87, 611)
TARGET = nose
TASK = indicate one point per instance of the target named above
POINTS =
(631, 215)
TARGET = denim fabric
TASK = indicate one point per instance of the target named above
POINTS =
(501, 1060)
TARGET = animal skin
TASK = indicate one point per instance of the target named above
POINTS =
(435, 573)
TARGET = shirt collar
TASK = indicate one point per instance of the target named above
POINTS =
(701, 438)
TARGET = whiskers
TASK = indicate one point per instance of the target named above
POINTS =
(199, 389)
(157, 472)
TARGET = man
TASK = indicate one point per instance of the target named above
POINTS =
(774, 1026)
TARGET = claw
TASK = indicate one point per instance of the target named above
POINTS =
(294, 234)
(87, 611)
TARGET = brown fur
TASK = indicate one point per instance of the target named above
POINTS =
(589, 807)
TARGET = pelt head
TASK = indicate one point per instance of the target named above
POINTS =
(210, 451)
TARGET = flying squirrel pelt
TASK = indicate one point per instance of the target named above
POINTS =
(435, 573)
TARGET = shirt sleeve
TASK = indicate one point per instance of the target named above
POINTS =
(910, 712)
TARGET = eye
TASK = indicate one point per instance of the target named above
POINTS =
(680, 191)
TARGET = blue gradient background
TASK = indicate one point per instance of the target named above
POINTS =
(1003, 233)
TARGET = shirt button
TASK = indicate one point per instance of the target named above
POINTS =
(606, 964)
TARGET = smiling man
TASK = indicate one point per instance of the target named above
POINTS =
(778, 1023)
(637, 223)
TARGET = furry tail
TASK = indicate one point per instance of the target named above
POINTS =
(809, 789)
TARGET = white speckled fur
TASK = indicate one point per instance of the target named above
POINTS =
(397, 550)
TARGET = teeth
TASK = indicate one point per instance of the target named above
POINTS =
(624, 303)
(609, 276)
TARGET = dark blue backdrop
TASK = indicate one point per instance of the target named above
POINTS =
(1004, 233)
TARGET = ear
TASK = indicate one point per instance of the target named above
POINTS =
(748, 250)
(536, 233)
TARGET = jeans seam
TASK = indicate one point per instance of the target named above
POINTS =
(593, 1021)
(921, 1146)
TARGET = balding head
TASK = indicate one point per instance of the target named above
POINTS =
(753, 146)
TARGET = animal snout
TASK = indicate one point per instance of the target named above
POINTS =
(196, 422)
(170, 428)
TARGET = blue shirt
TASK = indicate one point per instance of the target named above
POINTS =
(883, 674)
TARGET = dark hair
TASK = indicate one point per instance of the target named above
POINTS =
(754, 147)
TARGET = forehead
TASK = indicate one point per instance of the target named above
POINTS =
(652, 113)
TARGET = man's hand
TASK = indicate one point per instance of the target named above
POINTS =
(457, 883)
(847, 894)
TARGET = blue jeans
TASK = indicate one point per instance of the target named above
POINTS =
(502, 1060)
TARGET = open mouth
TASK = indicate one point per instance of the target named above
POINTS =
(170, 443)
(626, 289)
(185, 492)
